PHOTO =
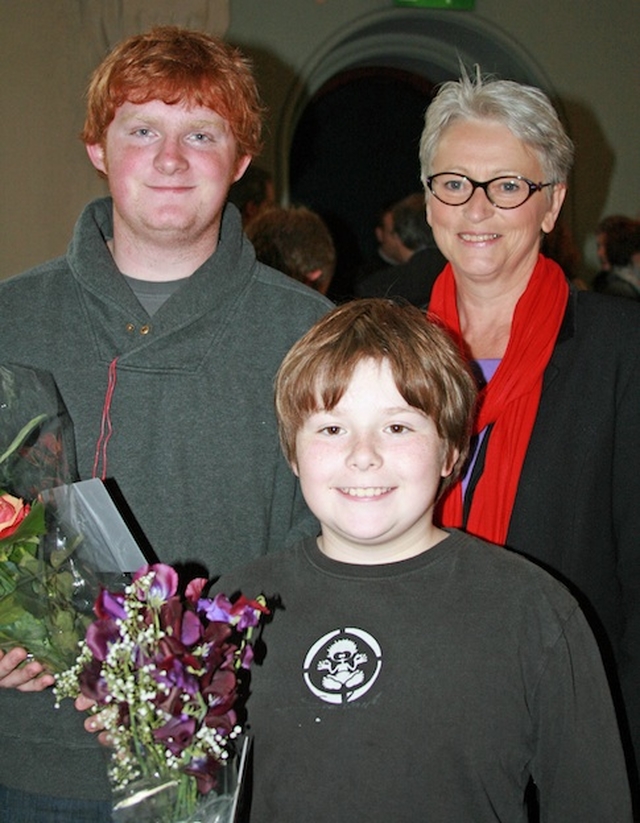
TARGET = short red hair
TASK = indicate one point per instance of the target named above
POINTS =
(177, 65)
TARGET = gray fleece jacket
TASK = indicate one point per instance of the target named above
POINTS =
(193, 447)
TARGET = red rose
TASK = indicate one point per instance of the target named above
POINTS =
(13, 511)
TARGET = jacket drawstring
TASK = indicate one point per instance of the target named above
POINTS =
(106, 429)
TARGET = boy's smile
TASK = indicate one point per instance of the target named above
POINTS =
(370, 470)
(367, 492)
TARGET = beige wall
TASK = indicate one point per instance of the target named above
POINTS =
(590, 52)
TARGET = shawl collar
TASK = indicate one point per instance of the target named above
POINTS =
(204, 305)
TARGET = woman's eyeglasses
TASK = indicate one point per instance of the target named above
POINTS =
(502, 192)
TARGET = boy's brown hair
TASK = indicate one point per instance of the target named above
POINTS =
(427, 366)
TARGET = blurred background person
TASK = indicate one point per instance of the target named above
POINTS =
(611, 223)
(560, 245)
(383, 256)
(296, 241)
(419, 261)
(405, 229)
(252, 193)
(621, 256)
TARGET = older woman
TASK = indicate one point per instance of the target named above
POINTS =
(556, 471)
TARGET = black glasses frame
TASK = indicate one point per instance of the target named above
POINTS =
(533, 187)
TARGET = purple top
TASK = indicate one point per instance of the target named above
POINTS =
(488, 367)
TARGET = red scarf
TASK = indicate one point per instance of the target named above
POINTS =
(510, 399)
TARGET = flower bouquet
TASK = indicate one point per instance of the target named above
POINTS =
(165, 671)
(50, 559)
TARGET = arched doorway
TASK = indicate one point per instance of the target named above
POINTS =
(349, 132)
(354, 151)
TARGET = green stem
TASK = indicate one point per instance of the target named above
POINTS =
(22, 435)
(187, 797)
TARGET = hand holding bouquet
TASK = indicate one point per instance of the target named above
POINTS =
(168, 670)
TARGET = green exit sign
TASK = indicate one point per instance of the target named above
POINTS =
(436, 4)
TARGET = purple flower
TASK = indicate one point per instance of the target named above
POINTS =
(220, 694)
(92, 683)
(177, 733)
(109, 605)
(219, 609)
(172, 703)
(194, 588)
(100, 634)
(249, 612)
(180, 623)
(243, 613)
(215, 634)
(191, 631)
(173, 671)
(246, 658)
(204, 769)
(163, 586)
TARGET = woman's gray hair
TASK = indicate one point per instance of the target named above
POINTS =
(525, 110)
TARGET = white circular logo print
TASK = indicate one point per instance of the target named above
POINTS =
(343, 665)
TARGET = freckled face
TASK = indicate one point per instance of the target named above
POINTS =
(370, 469)
(481, 241)
(169, 169)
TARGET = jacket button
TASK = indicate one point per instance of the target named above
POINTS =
(145, 329)
(130, 327)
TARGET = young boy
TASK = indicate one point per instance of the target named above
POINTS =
(412, 673)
